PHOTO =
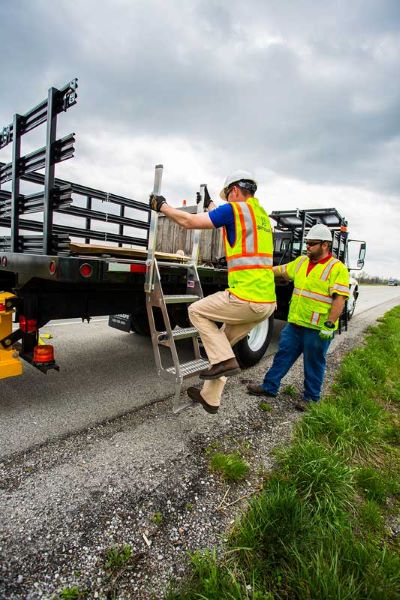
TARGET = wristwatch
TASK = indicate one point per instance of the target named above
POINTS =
(329, 325)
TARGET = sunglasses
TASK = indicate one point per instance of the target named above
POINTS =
(311, 244)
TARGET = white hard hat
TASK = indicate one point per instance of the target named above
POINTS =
(319, 232)
(236, 177)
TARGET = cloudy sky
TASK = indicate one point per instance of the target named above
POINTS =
(303, 93)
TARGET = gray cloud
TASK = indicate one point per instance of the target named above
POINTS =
(309, 90)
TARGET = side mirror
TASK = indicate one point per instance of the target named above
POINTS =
(356, 261)
(361, 255)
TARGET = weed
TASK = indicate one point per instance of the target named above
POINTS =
(231, 466)
(158, 518)
(265, 406)
(73, 593)
(117, 557)
(189, 506)
(290, 390)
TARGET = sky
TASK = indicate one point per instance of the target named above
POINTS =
(304, 94)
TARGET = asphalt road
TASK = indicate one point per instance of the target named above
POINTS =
(104, 373)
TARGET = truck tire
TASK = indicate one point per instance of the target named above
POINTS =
(351, 303)
(250, 350)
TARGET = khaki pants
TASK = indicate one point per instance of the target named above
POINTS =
(238, 318)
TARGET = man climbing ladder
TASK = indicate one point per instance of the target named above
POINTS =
(250, 296)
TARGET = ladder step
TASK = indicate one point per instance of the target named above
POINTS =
(181, 298)
(178, 334)
(191, 367)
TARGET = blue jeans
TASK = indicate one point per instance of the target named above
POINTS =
(294, 341)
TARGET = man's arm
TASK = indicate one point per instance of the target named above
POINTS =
(281, 272)
(187, 220)
(337, 307)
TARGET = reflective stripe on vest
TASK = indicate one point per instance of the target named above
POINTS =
(250, 262)
(249, 241)
(315, 318)
(301, 261)
(312, 295)
(341, 288)
(330, 264)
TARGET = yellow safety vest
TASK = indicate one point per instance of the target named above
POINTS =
(250, 275)
(312, 294)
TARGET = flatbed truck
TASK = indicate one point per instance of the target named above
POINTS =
(85, 252)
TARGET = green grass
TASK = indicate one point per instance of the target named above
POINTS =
(290, 390)
(230, 466)
(265, 406)
(317, 530)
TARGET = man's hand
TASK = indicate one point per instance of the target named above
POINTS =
(156, 202)
(207, 198)
(327, 331)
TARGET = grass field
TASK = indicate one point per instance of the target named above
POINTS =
(326, 524)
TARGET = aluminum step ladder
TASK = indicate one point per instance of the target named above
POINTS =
(155, 298)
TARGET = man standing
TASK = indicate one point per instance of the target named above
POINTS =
(250, 296)
(321, 286)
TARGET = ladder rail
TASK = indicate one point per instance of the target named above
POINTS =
(155, 298)
(153, 232)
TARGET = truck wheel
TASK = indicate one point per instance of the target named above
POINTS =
(351, 304)
(250, 350)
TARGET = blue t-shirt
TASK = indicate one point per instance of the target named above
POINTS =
(223, 216)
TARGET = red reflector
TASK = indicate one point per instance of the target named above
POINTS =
(85, 270)
(2, 307)
(138, 268)
(27, 325)
(43, 354)
(52, 267)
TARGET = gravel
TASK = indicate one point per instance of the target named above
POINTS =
(143, 480)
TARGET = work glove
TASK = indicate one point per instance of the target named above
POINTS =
(156, 202)
(327, 331)
(207, 198)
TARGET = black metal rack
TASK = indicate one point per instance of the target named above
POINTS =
(56, 195)
(298, 222)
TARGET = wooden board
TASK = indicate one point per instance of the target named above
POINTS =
(136, 252)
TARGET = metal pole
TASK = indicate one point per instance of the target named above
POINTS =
(15, 194)
(88, 220)
(49, 172)
(148, 286)
(121, 227)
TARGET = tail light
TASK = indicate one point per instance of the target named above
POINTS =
(27, 325)
(86, 270)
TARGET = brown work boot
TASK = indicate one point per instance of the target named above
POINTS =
(225, 368)
(257, 390)
(196, 396)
